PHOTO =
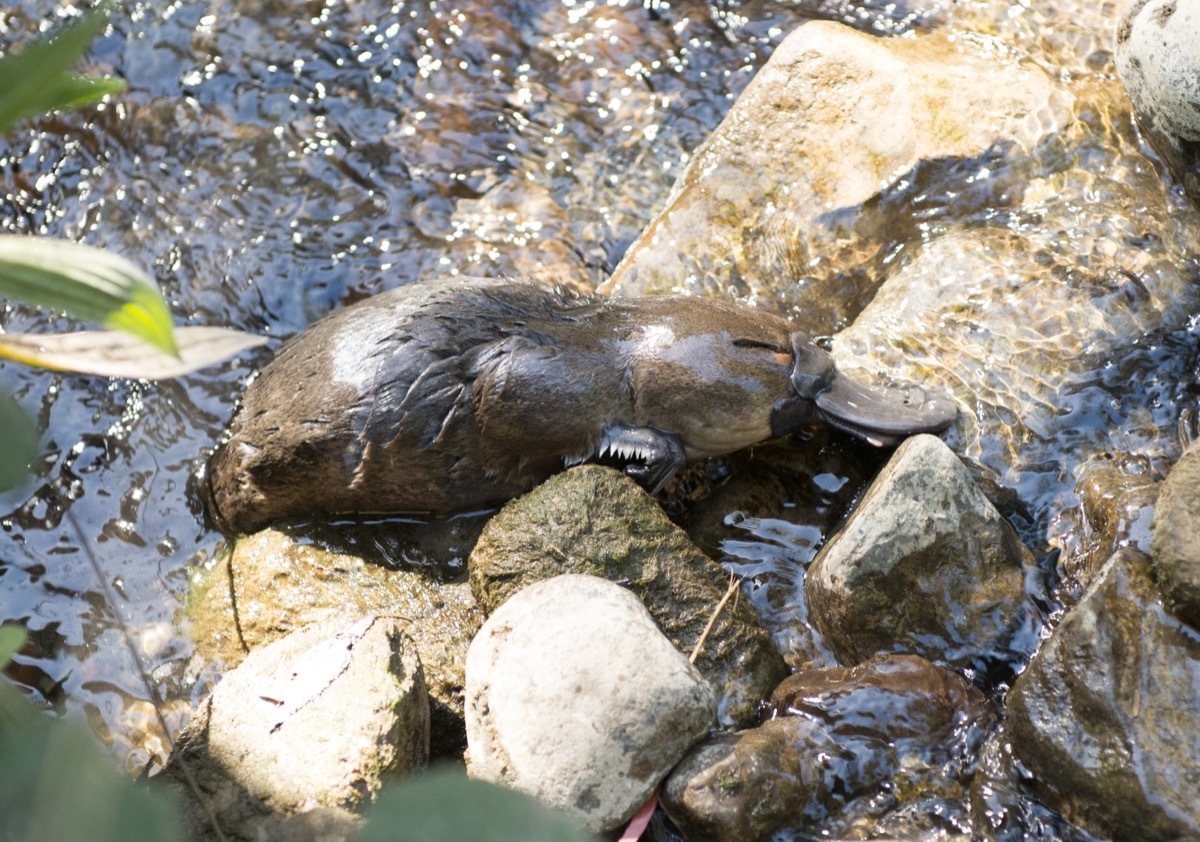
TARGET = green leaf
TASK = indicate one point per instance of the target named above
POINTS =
(109, 353)
(70, 92)
(20, 444)
(55, 784)
(88, 283)
(36, 79)
(447, 806)
(12, 638)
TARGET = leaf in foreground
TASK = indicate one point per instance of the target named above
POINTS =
(20, 444)
(110, 353)
(12, 638)
(37, 78)
(87, 283)
(447, 806)
(56, 784)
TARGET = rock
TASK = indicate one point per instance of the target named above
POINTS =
(316, 720)
(1158, 64)
(1001, 804)
(896, 724)
(1118, 501)
(924, 564)
(1175, 545)
(919, 696)
(1041, 335)
(1107, 714)
(270, 586)
(593, 520)
(576, 698)
(832, 119)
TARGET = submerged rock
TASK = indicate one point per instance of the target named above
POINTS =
(270, 586)
(924, 564)
(594, 520)
(576, 698)
(1158, 63)
(1176, 542)
(316, 720)
(832, 119)
(1118, 501)
(843, 738)
(1107, 714)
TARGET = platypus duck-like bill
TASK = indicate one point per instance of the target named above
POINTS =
(882, 415)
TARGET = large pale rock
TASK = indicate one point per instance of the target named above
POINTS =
(315, 721)
(1175, 546)
(924, 564)
(595, 521)
(832, 119)
(576, 698)
(1107, 715)
(841, 736)
(1158, 62)
(271, 585)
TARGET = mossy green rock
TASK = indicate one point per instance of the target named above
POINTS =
(593, 520)
(270, 586)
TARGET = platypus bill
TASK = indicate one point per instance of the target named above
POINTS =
(457, 394)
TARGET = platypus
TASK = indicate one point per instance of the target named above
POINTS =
(454, 395)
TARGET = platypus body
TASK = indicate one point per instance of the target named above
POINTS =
(458, 394)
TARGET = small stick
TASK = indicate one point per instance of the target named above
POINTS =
(734, 583)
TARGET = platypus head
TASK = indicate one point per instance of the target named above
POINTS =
(881, 415)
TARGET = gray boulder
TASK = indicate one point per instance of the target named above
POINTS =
(576, 698)
(314, 722)
(271, 585)
(1107, 714)
(595, 521)
(1160, 67)
(924, 564)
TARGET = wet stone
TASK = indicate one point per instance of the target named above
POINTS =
(924, 564)
(270, 586)
(1118, 501)
(1107, 714)
(317, 720)
(889, 742)
(576, 698)
(593, 520)
(1175, 546)
(781, 188)
(1157, 62)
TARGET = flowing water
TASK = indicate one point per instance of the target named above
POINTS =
(272, 160)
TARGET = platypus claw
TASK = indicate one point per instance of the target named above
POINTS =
(651, 457)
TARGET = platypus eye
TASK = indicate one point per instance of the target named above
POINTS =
(766, 346)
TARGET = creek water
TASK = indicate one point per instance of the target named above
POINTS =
(273, 160)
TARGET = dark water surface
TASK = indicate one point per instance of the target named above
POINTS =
(271, 161)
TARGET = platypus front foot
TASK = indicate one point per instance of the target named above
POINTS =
(649, 456)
